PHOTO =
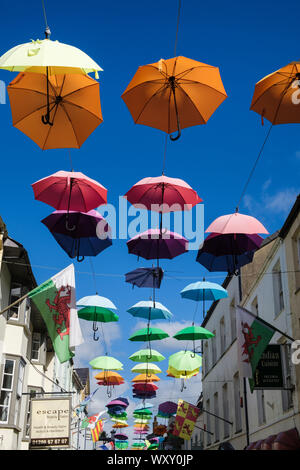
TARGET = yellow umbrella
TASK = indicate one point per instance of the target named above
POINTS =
(146, 368)
(47, 56)
(181, 374)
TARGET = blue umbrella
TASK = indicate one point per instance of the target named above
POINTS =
(143, 406)
(150, 310)
(202, 291)
(81, 247)
(224, 263)
(145, 277)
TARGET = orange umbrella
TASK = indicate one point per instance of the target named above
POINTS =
(70, 105)
(146, 378)
(108, 378)
(276, 95)
(120, 425)
(173, 94)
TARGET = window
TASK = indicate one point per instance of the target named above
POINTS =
(15, 294)
(261, 407)
(33, 392)
(287, 395)
(225, 410)
(217, 421)
(27, 312)
(213, 347)
(222, 335)
(35, 346)
(208, 428)
(237, 402)
(277, 289)
(233, 320)
(6, 389)
(206, 367)
(19, 391)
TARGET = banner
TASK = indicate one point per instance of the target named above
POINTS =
(185, 420)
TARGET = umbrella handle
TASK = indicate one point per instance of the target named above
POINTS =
(182, 385)
(177, 116)
(46, 119)
(68, 227)
(96, 338)
(80, 259)
(177, 136)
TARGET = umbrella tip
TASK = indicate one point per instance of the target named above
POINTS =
(47, 32)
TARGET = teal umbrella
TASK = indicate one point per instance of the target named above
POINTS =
(202, 291)
(193, 333)
(150, 310)
(148, 334)
(96, 309)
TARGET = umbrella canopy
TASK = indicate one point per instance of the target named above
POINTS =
(181, 374)
(185, 361)
(145, 386)
(37, 56)
(229, 263)
(120, 425)
(145, 412)
(121, 436)
(111, 382)
(203, 290)
(145, 355)
(150, 310)
(77, 224)
(236, 223)
(143, 406)
(157, 244)
(106, 363)
(145, 277)
(96, 308)
(143, 394)
(146, 367)
(174, 94)
(168, 407)
(70, 190)
(193, 333)
(79, 248)
(107, 375)
(231, 243)
(148, 334)
(163, 194)
(69, 103)
(145, 378)
(273, 95)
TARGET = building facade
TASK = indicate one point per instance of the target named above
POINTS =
(269, 288)
(28, 364)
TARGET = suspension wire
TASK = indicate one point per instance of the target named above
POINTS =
(45, 16)
(177, 28)
(70, 158)
(165, 153)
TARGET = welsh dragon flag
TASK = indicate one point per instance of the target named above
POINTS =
(253, 336)
(56, 301)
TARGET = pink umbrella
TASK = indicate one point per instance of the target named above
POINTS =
(163, 194)
(71, 191)
(236, 223)
(158, 244)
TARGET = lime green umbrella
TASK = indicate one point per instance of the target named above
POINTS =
(144, 355)
(146, 367)
(193, 333)
(185, 361)
(148, 334)
(141, 413)
(106, 363)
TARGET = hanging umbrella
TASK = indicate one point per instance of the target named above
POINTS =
(157, 244)
(120, 425)
(148, 334)
(182, 373)
(79, 248)
(143, 394)
(71, 191)
(96, 309)
(236, 223)
(229, 263)
(69, 105)
(231, 243)
(145, 277)
(120, 436)
(144, 377)
(145, 412)
(143, 406)
(145, 386)
(203, 290)
(193, 333)
(163, 194)
(173, 94)
(273, 95)
(40, 55)
(168, 407)
(106, 363)
(185, 361)
(77, 224)
(146, 367)
(118, 402)
(150, 310)
(109, 375)
(144, 355)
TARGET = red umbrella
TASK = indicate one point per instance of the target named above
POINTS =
(145, 386)
(163, 194)
(71, 191)
(236, 223)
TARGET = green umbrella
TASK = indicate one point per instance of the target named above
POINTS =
(148, 334)
(185, 361)
(145, 355)
(106, 363)
(153, 447)
(144, 412)
(96, 314)
(194, 333)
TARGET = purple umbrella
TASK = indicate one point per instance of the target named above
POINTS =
(84, 224)
(117, 402)
(168, 407)
(158, 244)
(121, 436)
(145, 277)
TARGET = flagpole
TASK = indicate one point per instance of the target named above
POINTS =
(244, 378)
(16, 302)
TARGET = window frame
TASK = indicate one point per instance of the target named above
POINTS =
(7, 390)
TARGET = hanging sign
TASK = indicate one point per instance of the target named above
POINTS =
(269, 372)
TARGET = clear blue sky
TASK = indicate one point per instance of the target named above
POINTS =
(246, 41)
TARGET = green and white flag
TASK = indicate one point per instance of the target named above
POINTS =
(56, 301)
(253, 336)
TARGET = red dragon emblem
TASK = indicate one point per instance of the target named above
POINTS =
(61, 305)
(250, 340)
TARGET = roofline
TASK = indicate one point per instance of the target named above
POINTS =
(290, 218)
